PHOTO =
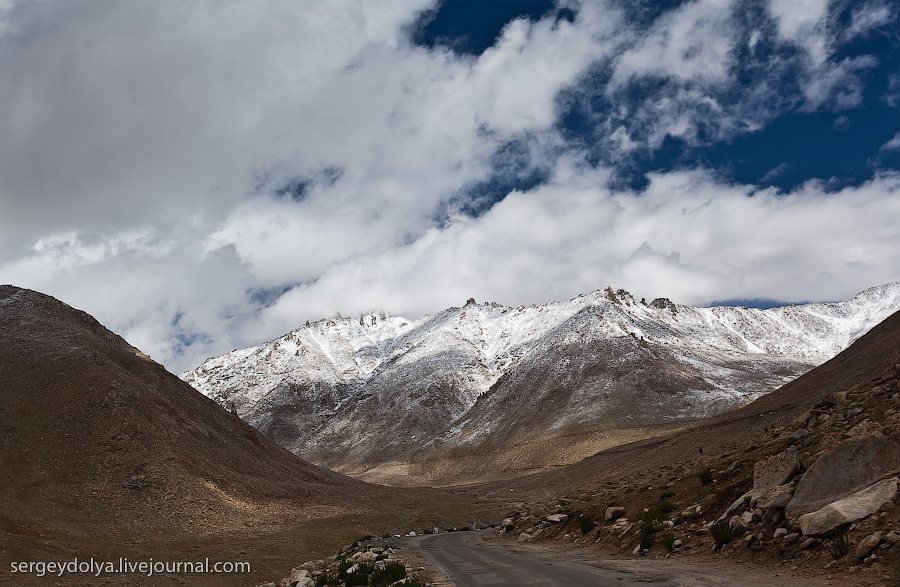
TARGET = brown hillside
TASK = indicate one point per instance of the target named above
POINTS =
(102, 448)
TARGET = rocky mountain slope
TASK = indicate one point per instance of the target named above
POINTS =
(486, 387)
(803, 481)
(105, 453)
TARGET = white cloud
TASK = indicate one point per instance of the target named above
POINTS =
(803, 22)
(691, 43)
(687, 236)
(891, 145)
(143, 142)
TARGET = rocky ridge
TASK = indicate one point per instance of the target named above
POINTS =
(814, 497)
(388, 398)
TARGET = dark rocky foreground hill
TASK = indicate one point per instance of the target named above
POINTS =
(104, 453)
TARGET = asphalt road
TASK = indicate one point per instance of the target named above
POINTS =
(469, 561)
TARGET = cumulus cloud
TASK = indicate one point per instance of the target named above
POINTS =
(205, 175)
(689, 236)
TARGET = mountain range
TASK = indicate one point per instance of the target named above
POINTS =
(487, 389)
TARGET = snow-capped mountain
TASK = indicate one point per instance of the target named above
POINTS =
(384, 392)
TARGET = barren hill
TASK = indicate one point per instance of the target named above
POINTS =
(102, 449)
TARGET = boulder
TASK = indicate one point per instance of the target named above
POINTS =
(868, 544)
(775, 470)
(777, 497)
(842, 513)
(779, 533)
(738, 526)
(613, 513)
(843, 470)
(734, 506)
(751, 518)
(525, 537)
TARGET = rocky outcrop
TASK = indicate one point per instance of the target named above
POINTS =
(843, 470)
(773, 471)
(840, 514)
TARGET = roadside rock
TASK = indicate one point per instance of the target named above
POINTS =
(734, 506)
(843, 470)
(777, 497)
(557, 518)
(844, 512)
(613, 513)
(868, 544)
(775, 470)
(525, 537)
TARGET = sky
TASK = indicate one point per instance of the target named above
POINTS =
(206, 175)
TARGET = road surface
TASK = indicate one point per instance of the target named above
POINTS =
(469, 561)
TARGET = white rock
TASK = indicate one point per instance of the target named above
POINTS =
(525, 537)
(613, 513)
(845, 511)
(776, 497)
(775, 470)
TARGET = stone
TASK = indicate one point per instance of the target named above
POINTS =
(506, 522)
(807, 543)
(792, 537)
(843, 470)
(613, 513)
(678, 543)
(779, 533)
(775, 470)
(748, 518)
(864, 428)
(637, 550)
(557, 518)
(836, 398)
(892, 424)
(777, 497)
(893, 537)
(525, 537)
(773, 516)
(843, 512)
(868, 544)
(734, 506)
(738, 526)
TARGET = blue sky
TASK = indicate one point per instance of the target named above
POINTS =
(206, 175)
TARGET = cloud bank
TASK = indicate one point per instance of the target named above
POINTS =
(203, 176)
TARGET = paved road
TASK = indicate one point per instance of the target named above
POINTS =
(470, 561)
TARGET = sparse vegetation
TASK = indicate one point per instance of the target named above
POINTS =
(669, 542)
(706, 476)
(392, 571)
(646, 537)
(587, 524)
(722, 533)
(510, 527)
(709, 491)
(666, 495)
(465, 529)
(668, 507)
(840, 544)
